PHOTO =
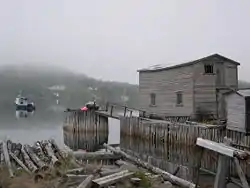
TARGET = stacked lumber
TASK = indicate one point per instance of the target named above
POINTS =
(32, 159)
(41, 160)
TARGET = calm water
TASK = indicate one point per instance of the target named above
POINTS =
(23, 127)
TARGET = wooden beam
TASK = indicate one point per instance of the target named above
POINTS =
(7, 159)
(111, 179)
(223, 169)
(241, 173)
(95, 155)
(87, 182)
(19, 162)
(220, 148)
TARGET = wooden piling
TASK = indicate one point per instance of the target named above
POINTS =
(85, 121)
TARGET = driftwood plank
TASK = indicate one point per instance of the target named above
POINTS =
(87, 182)
(95, 155)
(166, 176)
(57, 149)
(28, 161)
(20, 163)
(111, 179)
(35, 158)
(75, 177)
(47, 147)
(75, 171)
(109, 172)
(7, 159)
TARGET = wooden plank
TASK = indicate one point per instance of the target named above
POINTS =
(7, 159)
(111, 179)
(218, 147)
(95, 155)
(241, 173)
(19, 162)
(87, 182)
(223, 169)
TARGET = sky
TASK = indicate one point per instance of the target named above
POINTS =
(111, 39)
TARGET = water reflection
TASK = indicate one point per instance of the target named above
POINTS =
(27, 127)
(89, 141)
(24, 113)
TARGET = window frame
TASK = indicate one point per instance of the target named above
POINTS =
(152, 99)
(209, 68)
(179, 101)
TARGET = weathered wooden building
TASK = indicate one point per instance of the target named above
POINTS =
(189, 89)
(238, 110)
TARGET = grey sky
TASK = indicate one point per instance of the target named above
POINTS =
(111, 39)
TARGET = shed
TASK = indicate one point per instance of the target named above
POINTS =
(238, 110)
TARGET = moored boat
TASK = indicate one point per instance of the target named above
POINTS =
(22, 103)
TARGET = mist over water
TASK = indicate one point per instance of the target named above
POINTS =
(28, 127)
(25, 127)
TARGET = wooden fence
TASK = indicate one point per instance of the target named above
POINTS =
(171, 132)
(86, 121)
(90, 141)
(170, 156)
(180, 135)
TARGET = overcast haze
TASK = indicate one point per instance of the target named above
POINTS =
(111, 39)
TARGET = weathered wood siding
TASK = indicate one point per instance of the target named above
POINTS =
(236, 111)
(204, 88)
(88, 121)
(199, 89)
(225, 75)
(231, 75)
(165, 84)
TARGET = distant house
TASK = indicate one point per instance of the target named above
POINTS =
(238, 110)
(189, 89)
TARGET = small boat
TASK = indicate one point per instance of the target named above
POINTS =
(92, 105)
(22, 103)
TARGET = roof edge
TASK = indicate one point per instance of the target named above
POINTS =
(188, 63)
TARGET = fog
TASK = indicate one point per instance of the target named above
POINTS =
(111, 39)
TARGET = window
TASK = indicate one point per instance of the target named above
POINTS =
(209, 69)
(179, 98)
(152, 99)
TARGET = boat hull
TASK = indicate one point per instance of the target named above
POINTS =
(25, 107)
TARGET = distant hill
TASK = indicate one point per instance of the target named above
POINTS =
(34, 81)
(243, 84)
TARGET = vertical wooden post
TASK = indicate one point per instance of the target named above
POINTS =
(223, 168)
(241, 173)
(125, 111)
(217, 103)
(107, 106)
(198, 167)
(111, 111)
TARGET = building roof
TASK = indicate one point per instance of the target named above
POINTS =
(156, 68)
(241, 92)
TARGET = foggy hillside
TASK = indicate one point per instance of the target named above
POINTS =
(35, 80)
